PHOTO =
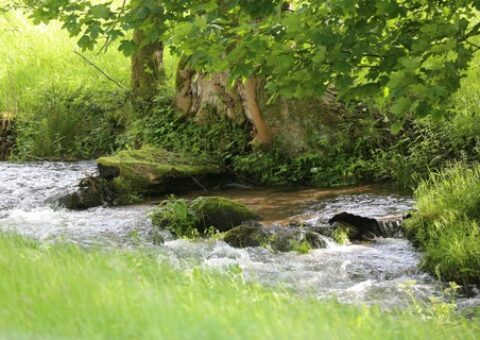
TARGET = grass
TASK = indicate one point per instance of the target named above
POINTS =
(446, 224)
(62, 291)
(39, 57)
(65, 108)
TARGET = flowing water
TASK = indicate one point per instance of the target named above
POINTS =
(358, 273)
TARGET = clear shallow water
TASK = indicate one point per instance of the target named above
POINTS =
(359, 273)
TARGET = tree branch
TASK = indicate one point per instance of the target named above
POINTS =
(91, 63)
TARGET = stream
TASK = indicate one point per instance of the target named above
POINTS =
(368, 273)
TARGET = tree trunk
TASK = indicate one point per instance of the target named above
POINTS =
(248, 92)
(292, 124)
(147, 70)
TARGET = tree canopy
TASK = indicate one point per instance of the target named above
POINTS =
(412, 53)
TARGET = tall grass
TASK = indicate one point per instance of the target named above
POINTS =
(64, 292)
(37, 57)
(446, 224)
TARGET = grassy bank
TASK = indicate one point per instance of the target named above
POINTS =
(65, 292)
(446, 225)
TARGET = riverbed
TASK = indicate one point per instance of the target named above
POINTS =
(367, 273)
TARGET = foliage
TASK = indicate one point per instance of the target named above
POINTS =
(302, 247)
(446, 224)
(219, 140)
(413, 53)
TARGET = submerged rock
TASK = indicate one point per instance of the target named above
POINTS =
(287, 239)
(280, 238)
(221, 213)
(247, 235)
(363, 228)
(92, 192)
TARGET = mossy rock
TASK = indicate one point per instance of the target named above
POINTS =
(154, 170)
(247, 235)
(221, 213)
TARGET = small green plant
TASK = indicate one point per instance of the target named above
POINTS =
(174, 215)
(340, 236)
(439, 308)
(302, 247)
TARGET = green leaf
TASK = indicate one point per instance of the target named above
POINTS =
(100, 11)
(401, 106)
(85, 43)
(128, 47)
(396, 127)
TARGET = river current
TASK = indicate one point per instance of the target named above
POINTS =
(370, 273)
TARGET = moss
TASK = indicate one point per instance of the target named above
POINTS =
(220, 213)
(151, 165)
(302, 247)
(201, 217)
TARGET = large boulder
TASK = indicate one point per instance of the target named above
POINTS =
(221, 213)
(157, 171)
(131, 175)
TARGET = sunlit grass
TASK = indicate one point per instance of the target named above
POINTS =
(446, 225)
(64, 292)
(38, 57)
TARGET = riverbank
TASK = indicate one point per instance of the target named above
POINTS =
(64, 291)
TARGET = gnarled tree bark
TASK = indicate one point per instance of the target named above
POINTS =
(291, 123)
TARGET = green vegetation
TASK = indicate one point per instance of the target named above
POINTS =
(446, 224)
(68, 110)
(175, 215)
(340, 236)
(413, 54)
(403, 80)
(64, 292)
